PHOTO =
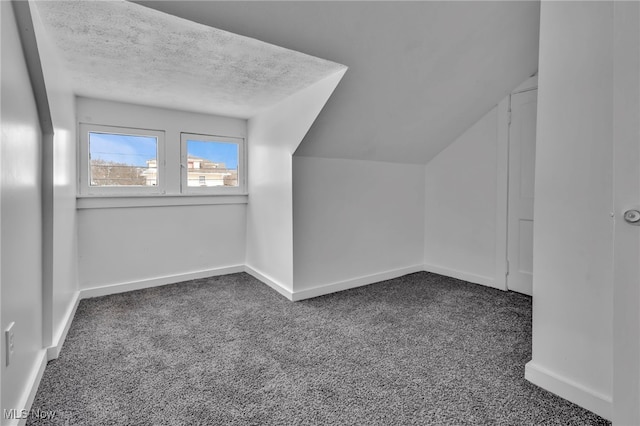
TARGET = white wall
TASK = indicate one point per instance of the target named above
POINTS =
(125, 245)
(64, 278)
(354, 219)
(460, 205)
(274, 135)
(21, 269)
(572, 284)
(140, 245)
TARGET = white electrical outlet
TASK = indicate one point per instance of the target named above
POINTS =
(8, 342)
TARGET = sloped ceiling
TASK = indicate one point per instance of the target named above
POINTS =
(121, 51)
(420, 73)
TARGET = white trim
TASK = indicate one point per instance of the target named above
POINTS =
(54, 350)
(502, 202)
(157, 281)
(84, 164)
(354, 282)
(269, 281)
(462, 275)
(240, 143)
(569, 390)
(111, 202)
(33, 382)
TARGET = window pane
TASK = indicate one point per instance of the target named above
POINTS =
(211, 163)
(123, 160)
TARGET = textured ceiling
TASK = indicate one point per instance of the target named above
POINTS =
(420, 73)
(122, 51)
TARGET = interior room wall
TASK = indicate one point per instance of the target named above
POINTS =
(274, 135)
(149, 245)
(139, 244)
(355, 222)
(460, 205)
(21, 230)
(64, 278)
(573, 272)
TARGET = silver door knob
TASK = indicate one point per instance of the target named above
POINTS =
(632, 216)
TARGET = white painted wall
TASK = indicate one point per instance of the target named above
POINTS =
(274, 135)
(354, 219)
(21, 269)
(128, 245)
(140, 244)
(573, 272)
(460, 205)
(65, 269)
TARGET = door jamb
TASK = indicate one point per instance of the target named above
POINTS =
(502, 199)
(502, 181)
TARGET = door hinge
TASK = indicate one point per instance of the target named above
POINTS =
(507, 272)
(509, 117)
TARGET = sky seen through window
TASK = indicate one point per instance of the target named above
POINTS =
(135, 150)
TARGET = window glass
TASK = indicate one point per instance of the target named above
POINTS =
(212, 163)
(122, 160)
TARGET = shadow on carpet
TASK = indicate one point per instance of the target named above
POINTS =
(421, 349)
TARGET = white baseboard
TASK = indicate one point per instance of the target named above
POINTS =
(569, 390)
(464, 276)
(33, 382)
(280, 288)
(157, 281)
(54, 351)
(269, 281)
(354, 282)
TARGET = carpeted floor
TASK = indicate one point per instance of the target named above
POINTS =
(421, 349)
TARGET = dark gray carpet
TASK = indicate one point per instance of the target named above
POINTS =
(421, 349)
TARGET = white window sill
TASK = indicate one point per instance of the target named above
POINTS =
(115, 202)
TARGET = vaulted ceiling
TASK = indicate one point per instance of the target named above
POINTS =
(420, 73)
(122, 51)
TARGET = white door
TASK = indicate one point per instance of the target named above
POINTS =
(522, 154)
(626, 255)
(626, 192)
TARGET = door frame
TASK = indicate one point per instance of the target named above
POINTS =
(502, 181)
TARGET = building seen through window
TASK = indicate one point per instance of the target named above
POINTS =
(121, 159)
(200, 172)
(131, 160)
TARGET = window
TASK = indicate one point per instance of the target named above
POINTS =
(126, 162)
(120, 161)
(212, 164)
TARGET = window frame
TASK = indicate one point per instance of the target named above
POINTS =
(84, 163)
(185, 189)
